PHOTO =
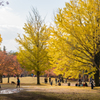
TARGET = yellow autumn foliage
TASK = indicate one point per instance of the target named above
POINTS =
(76, 38)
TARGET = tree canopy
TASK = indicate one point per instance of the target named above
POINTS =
(33, 54)
(76, 38)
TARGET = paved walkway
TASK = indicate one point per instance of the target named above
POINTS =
(10, 91)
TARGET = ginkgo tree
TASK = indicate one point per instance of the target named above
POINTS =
(76, 39)
(33, 53)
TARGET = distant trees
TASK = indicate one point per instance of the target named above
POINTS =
(50, 73)
(9, 65)
(12, 67)
(3, 63)
(17, 70)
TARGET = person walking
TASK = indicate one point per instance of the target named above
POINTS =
(65, 80)
(92, 84)
(18, 82)
(56, 81)
(51, 82)
(49, 79)
(80, 81)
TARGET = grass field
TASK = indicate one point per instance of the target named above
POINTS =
(27, 80)
(48, 92)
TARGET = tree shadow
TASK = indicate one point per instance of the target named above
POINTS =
(32, 96)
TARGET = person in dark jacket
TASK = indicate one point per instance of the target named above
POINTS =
(56, 80)
(92, 84)
(49, 79)
(86, 84)
(18, 82)
(51, 82)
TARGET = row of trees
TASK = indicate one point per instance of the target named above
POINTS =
(71, 46)
(9, 65)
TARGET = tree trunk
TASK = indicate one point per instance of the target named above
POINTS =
(96, 75)
(38, 77)
(96, 78)
(8, 78)
(17, 75)
(0, 78)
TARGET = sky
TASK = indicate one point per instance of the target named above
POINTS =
(14, 15)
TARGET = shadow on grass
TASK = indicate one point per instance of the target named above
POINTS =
(30, 96)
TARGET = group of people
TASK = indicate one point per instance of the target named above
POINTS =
(59, 82)
(85, 84)
(51, 81)
(80, 84)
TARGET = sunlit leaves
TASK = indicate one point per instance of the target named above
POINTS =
(76, 38)
(0, 39)
(33, 53)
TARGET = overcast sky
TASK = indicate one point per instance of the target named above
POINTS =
(14, 15)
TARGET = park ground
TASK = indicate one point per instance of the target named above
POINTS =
(31, 91)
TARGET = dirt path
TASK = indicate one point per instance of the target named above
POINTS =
(64, 88)
(61, 89)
